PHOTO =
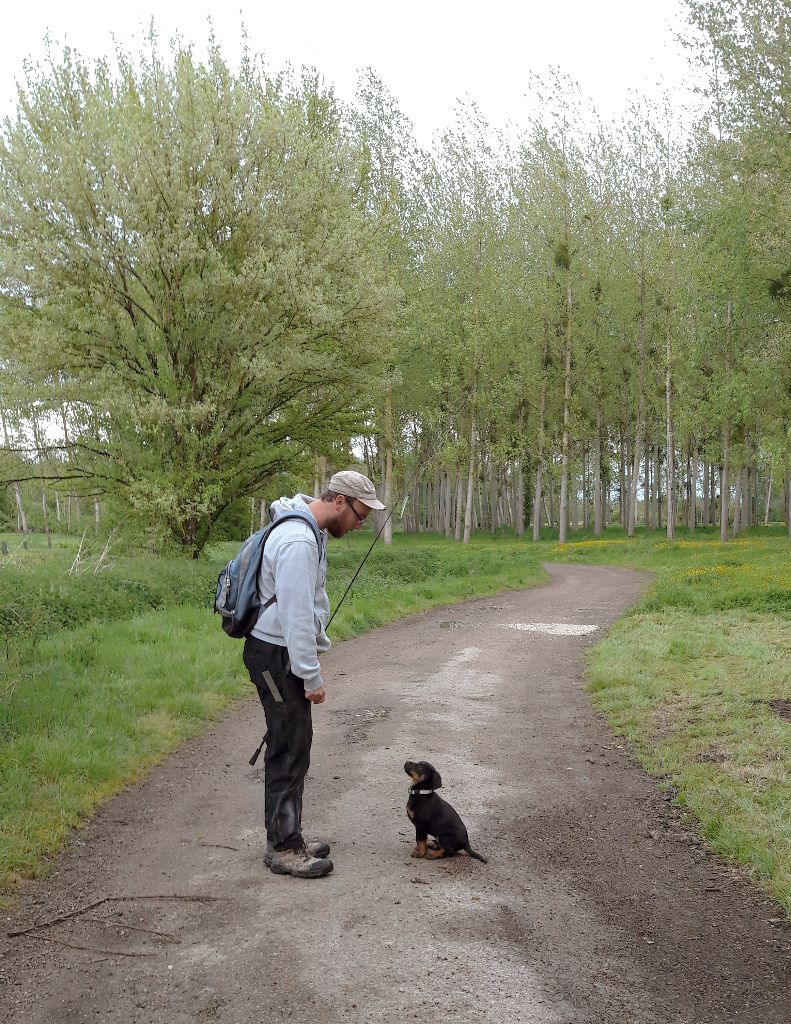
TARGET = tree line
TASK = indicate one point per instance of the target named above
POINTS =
(213, 282)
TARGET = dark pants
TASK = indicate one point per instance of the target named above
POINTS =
(290, 734)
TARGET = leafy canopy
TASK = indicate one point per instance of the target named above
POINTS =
(183, 252)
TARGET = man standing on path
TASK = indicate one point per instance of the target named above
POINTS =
(282, 656)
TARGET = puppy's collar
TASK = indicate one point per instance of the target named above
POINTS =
(420, 792)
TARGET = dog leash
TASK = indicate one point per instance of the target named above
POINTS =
(255, 756)
(428, 455)
(422, 465)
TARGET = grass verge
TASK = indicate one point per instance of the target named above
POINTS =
(697, 678)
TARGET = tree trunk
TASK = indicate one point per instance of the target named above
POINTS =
(633, 482)
(597, 481)
(551, 496)
(638, 438)
(21, 518)
(788, 502)
(705, 494)
(493, 517)
(737, 502)
(693, 492)
(671, 452)
(459, 504)
(574, 502)
(537, 500)
(621, 482)
(46, 517)
(713, 477)
(768, 499)
(519, 479)
(441, 502)
(747, 489)
(519, 483)
(468, 512)
(542, 408)
(564, 468)
(451, 515)
(387, 491)
(724, 484)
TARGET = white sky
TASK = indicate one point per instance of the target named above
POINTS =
(428, 53)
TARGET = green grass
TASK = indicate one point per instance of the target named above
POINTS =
(93, 709)
(687, 676)
(39, 596)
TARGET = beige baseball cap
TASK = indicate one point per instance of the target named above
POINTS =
(355, 485)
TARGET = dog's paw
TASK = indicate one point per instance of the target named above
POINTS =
(417, 854)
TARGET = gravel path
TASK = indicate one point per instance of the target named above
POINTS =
(597, 905)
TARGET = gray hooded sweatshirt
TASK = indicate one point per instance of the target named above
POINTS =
(295, 570)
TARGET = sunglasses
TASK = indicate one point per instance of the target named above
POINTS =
(360, 519)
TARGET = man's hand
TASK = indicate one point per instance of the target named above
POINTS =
(316, 696)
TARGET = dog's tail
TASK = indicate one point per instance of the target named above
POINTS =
(477, 856)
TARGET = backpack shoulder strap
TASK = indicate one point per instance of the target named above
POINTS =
(306, 518)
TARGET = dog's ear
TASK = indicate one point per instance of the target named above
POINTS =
(436, 779)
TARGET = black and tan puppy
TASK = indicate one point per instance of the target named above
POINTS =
(433, 816)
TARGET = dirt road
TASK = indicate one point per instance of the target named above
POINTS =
(597, 904)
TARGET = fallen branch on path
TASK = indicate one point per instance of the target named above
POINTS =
(110, 899)
(123, 926)
(85, 949)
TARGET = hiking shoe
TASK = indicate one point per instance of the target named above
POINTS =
(299, 863)
(315, 849)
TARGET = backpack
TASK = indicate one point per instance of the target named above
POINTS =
(237, 600)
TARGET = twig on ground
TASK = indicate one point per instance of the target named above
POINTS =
(220, 846)
(86, 949)
(165, 936)
(112, 899)
(56, 920)
(59, 899)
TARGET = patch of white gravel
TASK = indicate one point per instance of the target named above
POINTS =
(552, 628)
